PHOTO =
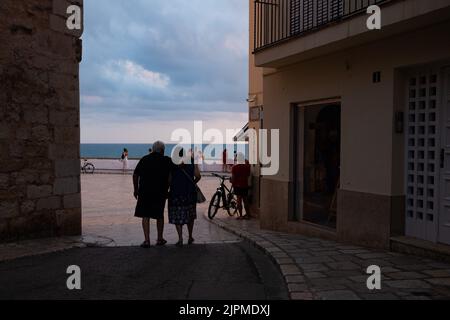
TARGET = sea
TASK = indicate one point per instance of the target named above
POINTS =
(137, 151)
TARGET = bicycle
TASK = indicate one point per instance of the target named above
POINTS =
(224, 195)
(87, 167)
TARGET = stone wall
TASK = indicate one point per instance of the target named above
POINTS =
(39, 120)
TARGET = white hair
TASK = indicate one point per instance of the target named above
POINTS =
(159, 147)
(240, 158)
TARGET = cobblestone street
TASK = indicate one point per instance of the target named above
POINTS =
(320, 269)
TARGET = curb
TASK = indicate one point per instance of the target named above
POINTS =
(293, 277)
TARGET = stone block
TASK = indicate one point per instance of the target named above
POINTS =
(37, 114)
(39, 164)
(5, 131)
(9, 209)
(10, 193)
(68, 222)
(16, 150)
(64, 118)
(295, 279)
(408, 284)
(64, 151)
(301, 296)
(338, 295)
(33, 226)
(46, 178)
(49, 203)
(290, 270)
(41, 133)
(72, 201)
(58, 24)
(35, 150)
(67, 168)
(67, 135)
(12, 165)
(442, 282)
(4, 180)
(62, 81)
(4, 229)
(60, 7)
(66, 186)
(440, 273)
(36, 192)
(23, 133)
(62, 45)
(296, 287)
(68, 100)
(27, 207)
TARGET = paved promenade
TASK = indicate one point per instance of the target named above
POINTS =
(108, 214)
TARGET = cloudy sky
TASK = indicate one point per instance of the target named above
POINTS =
(152, 66)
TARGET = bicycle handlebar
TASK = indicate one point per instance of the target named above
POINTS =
(220, 177)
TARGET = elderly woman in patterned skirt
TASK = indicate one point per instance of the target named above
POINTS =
(183, 197)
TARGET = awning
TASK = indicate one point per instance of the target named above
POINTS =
(241, 134)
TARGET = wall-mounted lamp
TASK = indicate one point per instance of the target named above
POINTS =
(399, 122)
(252, 99)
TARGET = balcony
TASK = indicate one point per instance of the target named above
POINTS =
(290, 31)
(277, 21)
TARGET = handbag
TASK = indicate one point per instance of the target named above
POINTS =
(200, 196)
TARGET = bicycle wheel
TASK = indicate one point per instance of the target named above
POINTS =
(232, 207)
(214, 205)
(89, 168)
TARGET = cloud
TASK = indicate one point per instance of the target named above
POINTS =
(164, 61)
(130, 73)
(147, 130)
(91, 100)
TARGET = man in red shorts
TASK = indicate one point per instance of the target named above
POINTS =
(240, 173)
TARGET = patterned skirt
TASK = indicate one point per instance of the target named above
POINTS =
(182, 210)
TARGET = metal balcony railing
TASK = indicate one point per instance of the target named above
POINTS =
(280, 20)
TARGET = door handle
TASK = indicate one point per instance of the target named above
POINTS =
(442, 159)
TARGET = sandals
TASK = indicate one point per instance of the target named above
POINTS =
(191, 241)
(161, 243)
(145, 245)
(179, 244)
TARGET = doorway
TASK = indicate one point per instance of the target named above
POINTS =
(428, 155)
(318, 163)
(444, 221)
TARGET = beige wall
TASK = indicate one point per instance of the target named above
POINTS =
(255, 73)
(256, 93)
(371, 203)
(367, 108)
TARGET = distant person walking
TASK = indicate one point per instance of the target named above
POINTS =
(199, 159)
(124, 159)
(240, 174)
(225, 160)
(151, 185)
(183, 197)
